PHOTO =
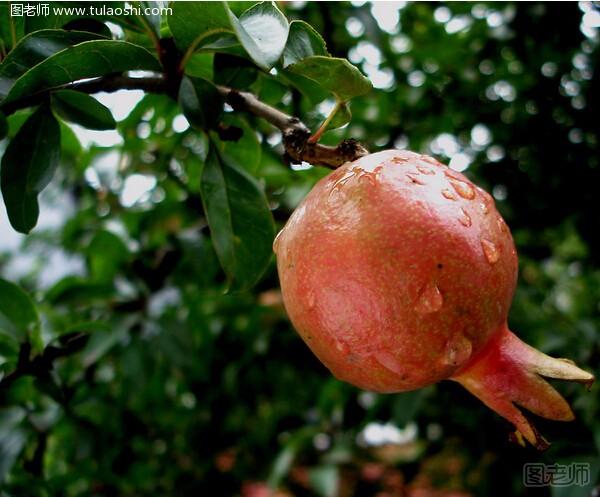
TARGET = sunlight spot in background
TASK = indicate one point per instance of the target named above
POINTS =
(180, 123)
(378, 434)
(365, 51)
(137, 188)
(480, 136)
(355, 27)
(121, 102)
(446, 144)
(459, 162)
(401, 44)
(442, 14)
(458, 24)
(387, 15)
(416, 78)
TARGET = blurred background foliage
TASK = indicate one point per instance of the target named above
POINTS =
(162, 384)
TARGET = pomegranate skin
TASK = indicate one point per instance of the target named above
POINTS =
(396, 270)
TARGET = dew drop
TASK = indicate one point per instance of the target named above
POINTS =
(415, 179)
(345, 177)
(463, 189)
(342, 347)
(490, 251)
(399, 160)
(388, 361)
(464, 218)
(367, 177)
(430, 299)
(458, 350)
(502, 225)
(426, 170)
(484, 208)
(448, 194)
(431, 160)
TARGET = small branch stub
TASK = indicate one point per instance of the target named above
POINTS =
(296, 135)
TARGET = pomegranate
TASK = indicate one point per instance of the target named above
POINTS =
(398, 272)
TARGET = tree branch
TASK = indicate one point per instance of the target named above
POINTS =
(295, 133)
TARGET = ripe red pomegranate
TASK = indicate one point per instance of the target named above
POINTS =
(398, 272)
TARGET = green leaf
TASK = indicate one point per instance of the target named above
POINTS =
(89, 25)
(73, 289)
(19, 319)
(87, 60)
(335, 75)
(341, 117)
(28, 166)
(3, 126)
(195, 22)
(264, 34)
(12, 438)
(234, 72)
(200, 65)
(246, 152)
(12, 28)
(239, 218)
(200, 101)
(33, 49)
(80, 108)
(324, 480)
(105, 253)
(303, 41)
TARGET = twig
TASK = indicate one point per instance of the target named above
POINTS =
(295, 133)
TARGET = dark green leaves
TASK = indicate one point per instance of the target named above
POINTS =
(33, 49)
(200, 101)
(28, 166)
(335, 75)
(240, 222)
(85, 60)
(18, 316)
(192, 23)
(80, 108)
(303, 41)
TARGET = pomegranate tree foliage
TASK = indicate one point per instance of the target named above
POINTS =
(143, 345)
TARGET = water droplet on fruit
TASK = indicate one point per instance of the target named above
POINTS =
(388, 361)
(464, 218)
(345, 177)
(342, 347)
(490, 251)
(458, 350)
(430, 299)
(426, 170)
(415, 179)
(463, 189)
(277, 240)
(431, 160)
(448, 194)
(399, 160)
(368, 177)
(502, 225)
(484, 208)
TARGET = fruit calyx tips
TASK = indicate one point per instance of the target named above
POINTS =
(508, 374)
